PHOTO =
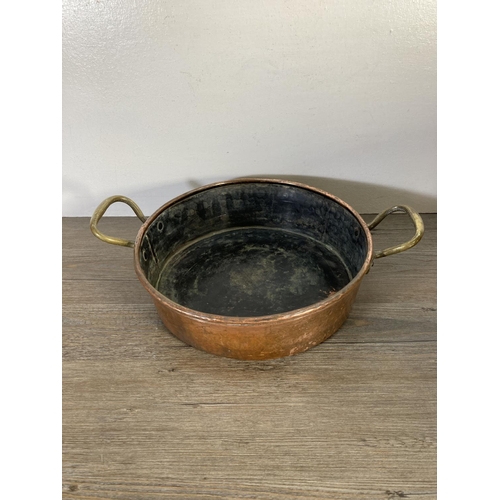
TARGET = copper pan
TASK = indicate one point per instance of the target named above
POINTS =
(254, 268)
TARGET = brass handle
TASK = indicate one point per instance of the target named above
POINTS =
(417, 222)
(99, 212)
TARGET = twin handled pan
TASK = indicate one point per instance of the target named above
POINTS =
(254, 269)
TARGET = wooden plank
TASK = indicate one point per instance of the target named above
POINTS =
(350, 420)
(94, 331)
(146, 417)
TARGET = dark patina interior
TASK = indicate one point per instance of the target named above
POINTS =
(252, 249)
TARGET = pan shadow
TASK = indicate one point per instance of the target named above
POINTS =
(364, 197)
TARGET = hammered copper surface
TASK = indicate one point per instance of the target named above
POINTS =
(264, 337)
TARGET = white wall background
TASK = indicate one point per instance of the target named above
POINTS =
(163, 96)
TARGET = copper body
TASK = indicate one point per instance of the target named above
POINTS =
(257, 338)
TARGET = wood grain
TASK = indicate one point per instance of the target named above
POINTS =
(147, 417)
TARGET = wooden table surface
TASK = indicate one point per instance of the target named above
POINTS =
(147, 417)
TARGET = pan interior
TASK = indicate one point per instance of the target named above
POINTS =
(252, 272)
(252, 249)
